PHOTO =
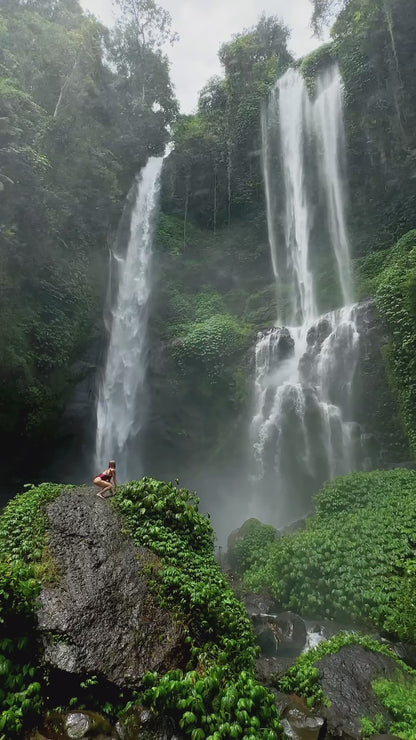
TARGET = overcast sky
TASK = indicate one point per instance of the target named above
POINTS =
(203, 25)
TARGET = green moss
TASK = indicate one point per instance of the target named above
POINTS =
(261, 308)
(327, 288)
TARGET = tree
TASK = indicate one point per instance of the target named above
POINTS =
(149, 24)
(324, 12)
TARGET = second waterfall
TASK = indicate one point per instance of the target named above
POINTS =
(303, 431)
(121, 407)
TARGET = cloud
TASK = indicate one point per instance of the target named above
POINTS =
(203, 26)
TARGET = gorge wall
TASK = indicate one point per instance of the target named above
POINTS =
(214, 282)
(216, 277)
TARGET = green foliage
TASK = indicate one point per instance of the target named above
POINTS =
(218, 696)
(314, 63)
(373, 44)
(396, 300)
(375, 726)
(24, 561)
(303, 677)
(399, 697)
(214, 171)
(390, 275)
(402, 618)
(209, 344)
(350, 561)
(262, 307)
(74, 130)
(252, 545)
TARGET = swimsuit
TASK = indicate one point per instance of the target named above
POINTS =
(105, 477)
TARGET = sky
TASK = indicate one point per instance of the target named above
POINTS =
(203, 25)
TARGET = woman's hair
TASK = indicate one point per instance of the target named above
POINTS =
(112, 464)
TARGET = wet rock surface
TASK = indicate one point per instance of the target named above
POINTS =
(346, 679)
(141, 724)
(259, 604)
(268, 670)
(76, 725)
(100, 617)
(280, 634)
(299, 722)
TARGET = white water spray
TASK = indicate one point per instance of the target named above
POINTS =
(302, 430)
(121, 402)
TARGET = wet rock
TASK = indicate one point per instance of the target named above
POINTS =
(141, 724)
(266, 635)
(295, 526)
(346, 678)
(292, 633)
(101, 617)
(285, 344)
(77, 725)
(301, 726)
(269, 669)
(406, 652)
(259, 603)
(281, 634)
(299, 722)
(323, 330)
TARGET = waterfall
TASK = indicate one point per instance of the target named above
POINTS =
(121, 401)
(329, 125)
(302, 431)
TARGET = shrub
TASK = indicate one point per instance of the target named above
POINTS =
(218, 696)
(352, 560)
(24, 561)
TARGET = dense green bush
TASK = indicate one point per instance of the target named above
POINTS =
(252, 544)
(209, 344)
(218, 696)
(24, 564)
(352, 560)
(314, 63)
(75, 128)
(373, 44)
(390, 275)
(399, 697)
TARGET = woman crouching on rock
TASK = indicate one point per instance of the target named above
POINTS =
(107, 480)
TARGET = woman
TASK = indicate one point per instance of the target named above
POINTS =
(107, 480)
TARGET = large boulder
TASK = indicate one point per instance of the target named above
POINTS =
(346, 678)
(282, 634)
(100, 616)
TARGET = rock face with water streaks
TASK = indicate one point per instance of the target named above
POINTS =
(101, 617)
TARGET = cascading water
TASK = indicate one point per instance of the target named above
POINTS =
(121, 400)
(302, 431)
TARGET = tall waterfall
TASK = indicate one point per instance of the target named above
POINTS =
(302, 430)
(121, 400)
